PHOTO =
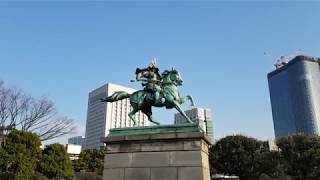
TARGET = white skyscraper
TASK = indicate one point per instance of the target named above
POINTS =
(201, 115)
(101, 117)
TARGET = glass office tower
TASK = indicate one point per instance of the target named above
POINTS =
(295, 97)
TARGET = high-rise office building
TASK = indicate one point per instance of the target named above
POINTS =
(295, 96)
(101, 117)
(198, 115)
(77, 140)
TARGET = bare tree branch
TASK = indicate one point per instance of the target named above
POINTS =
(59, 127)
(37, 112)
(4, 95)
(21, 111)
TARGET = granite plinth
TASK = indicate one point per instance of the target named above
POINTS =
(155, 129)
(157, 156)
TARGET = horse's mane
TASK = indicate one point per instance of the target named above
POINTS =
(166, 72)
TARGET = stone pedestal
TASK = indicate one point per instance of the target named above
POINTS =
(157, 156)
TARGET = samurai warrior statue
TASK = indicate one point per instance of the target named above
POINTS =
(151, 81)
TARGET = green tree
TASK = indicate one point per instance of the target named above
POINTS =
(269, 162)
(301, 156)
(55, 162)
(243, 156)
(19, 156)
(92, 160)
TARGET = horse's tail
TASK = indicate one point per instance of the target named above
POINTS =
(116, 96)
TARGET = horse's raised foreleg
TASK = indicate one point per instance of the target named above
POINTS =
(187, 97)
(190, 99)
(178, 107)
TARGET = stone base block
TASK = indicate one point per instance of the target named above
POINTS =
(161, 156)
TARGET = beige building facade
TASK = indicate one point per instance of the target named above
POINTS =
(101, 117)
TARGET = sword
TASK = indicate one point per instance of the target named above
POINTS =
(144, 80)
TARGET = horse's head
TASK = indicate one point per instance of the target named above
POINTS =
(172, 76)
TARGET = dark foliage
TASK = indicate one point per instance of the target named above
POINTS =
(243, 156)
(91, 160)
(301, 155)
(55, 163)
(20, 155)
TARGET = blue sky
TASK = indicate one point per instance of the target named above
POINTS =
(63, 50)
